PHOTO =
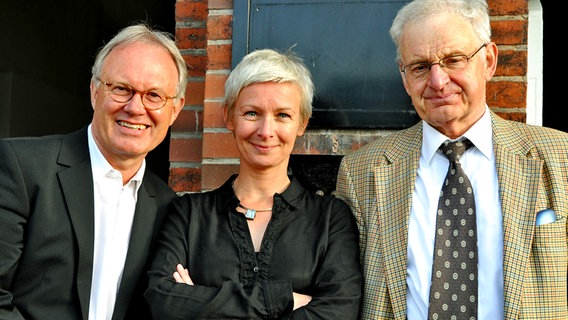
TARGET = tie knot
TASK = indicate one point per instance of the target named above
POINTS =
(453, 150)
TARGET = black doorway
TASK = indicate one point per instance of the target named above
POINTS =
(47, 49)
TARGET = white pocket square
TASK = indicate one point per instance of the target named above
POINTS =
(545, 216)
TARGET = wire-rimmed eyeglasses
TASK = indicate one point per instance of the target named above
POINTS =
(420, 70)
(123, 93)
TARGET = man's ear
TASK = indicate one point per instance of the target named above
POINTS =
(94, 92)
(490, 60)
(177, 106)
(404, 83)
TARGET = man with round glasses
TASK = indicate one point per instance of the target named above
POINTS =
(79, 213)
(152, 99)
(515, 244)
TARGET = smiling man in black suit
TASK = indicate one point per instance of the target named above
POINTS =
(79, 212)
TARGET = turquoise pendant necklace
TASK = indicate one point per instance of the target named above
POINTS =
(251, 213)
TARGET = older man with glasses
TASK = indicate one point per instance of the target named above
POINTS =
(463, 215)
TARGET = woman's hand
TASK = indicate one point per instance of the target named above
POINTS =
(181, 275)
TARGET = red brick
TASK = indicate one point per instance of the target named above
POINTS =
(194, 92)
(219, 57)
(185, 149)
(191, 38)
(221, 4)
(191, 10)
(215, 85)
(510, 32)
(220, 27)
(196, 65)
(512, 63)
(219, 145)
(214, 175)
(213, 115)
(507, 7)
(185, 179)
(507, 94)
(189, 121)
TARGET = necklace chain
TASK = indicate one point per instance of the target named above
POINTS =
(251, 213)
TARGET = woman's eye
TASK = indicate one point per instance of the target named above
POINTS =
(250, 114)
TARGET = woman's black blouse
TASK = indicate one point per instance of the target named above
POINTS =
(310, 247)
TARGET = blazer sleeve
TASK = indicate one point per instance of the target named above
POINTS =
(14, 210)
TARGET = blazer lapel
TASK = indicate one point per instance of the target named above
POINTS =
(143, 233)
(519, 178)
(77, 185)
(395, 181)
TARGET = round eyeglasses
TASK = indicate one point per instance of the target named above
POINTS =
(123, 93)
(421, 70)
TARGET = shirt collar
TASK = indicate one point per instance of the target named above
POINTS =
(101, 167)
(292, 195)
(480, 134)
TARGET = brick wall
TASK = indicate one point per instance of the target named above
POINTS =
(202, 151)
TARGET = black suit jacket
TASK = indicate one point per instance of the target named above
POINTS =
(47, 231)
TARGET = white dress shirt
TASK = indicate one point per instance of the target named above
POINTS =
(114, 212)
(479, 164)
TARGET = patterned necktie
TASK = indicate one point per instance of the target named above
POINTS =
(453, 293)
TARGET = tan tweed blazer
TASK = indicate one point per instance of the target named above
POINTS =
(532, 167)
